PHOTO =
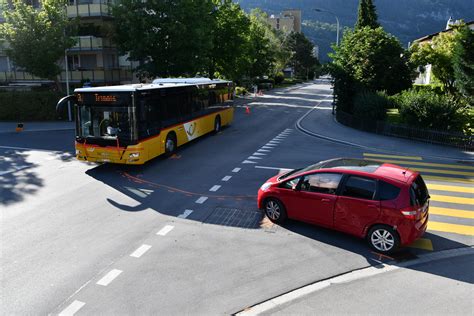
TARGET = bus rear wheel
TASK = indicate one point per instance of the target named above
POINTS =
(217, 125)
(170, 144)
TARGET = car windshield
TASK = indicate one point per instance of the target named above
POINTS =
(105, 122)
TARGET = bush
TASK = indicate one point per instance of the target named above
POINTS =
(279, 78)
(370, 106)
(30, 106)
(426, 109)
(436, 88)
(241, 91)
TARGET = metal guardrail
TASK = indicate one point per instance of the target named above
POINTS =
(454, 139)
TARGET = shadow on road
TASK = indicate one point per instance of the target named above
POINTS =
(17, 177)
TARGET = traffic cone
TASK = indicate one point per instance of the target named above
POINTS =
(247, 110)
(19, 127)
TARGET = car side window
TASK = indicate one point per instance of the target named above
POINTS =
(290, 184)
(359, 187)
(321, 183)
(388, 191)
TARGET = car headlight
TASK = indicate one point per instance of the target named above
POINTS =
(134, 155)
(265, 186)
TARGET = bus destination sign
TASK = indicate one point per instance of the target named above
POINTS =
(104, 98)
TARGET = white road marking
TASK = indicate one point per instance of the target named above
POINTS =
(201, 200)
(258, 154)
(215, 188)
(273, 168)
(136, 192)
(227, 178)
(165, 230)
(185, 214)
(274, 142)
(15, 169)
(248, 161)
(267, 147)
(235, 170)
(263, 150)
(109, 277)
(253, 157)
(140, 251)
(270, 145)
(72, 308)
(279, 138)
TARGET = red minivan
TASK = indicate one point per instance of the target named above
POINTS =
(384, 203)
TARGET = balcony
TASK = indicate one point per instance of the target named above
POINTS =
(109, 76)
(95, 8)
(91, 43)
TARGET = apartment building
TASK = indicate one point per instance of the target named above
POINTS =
(288, 21)
(93, 58)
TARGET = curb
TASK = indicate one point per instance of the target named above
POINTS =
(38, 130)
(347, 277)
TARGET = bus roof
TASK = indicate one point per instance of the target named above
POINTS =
(157, 84)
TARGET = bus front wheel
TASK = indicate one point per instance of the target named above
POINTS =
(170, 144)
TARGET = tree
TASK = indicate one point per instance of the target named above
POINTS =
(463, 62)
(438, 54)
(367, 15)
(229, 38)
(167, 37)
(302, 59)
(369, 60)
(37, 38)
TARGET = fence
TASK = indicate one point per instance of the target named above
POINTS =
(455, 139)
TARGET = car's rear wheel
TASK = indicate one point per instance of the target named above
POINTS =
(383, 239)
(275, 210)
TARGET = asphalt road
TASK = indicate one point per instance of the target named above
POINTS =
(110, 239)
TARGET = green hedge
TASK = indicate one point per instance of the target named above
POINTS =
(427, 109)
(371, 106)
(30, 106)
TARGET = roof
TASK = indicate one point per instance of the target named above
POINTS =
(157, 84)
(376, 168)
(429, 37)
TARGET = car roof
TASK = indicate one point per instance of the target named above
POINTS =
(363, 166)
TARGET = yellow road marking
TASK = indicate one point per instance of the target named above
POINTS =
(422, 243)
(443, 171)
(451, 228)
(426, 164)
(448, 179)
(450, 188)
(451, 212)
(452, 199)
(391, 156)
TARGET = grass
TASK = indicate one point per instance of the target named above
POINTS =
(393, 116)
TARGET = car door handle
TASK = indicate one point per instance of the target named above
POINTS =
(325, 200)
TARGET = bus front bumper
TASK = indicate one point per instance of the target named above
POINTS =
(130, 155)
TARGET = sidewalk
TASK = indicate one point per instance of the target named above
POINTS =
(9, 127)
(320, 122)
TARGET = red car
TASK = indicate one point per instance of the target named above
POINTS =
(384, 203)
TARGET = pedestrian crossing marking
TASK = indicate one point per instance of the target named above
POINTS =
(452, 199)
(422, 243)
(444, 171)
(448, 179)
(392, 156)
(443, 211)
(451, 228)
(426, 164)
(450, 188)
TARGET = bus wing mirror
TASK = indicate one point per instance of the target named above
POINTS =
(64, 101)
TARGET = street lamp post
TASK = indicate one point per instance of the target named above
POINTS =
(337, 22)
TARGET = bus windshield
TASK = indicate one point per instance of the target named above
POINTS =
(104, 122)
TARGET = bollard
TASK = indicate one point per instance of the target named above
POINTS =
(19, 127)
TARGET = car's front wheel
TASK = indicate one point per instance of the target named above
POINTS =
(383, 239)
(275, 210)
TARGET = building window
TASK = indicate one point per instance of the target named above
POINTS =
(73, 62)
(4, 63)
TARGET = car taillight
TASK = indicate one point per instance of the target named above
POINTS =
(409, 213)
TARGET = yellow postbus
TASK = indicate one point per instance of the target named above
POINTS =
(131, 124)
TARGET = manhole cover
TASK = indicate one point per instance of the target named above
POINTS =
(235, 218)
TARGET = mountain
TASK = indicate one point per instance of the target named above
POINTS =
(406, 19)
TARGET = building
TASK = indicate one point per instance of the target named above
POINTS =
(93, 58)
(425, 76)
(288, 21)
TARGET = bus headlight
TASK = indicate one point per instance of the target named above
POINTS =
(78, 152)
(134, 155)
